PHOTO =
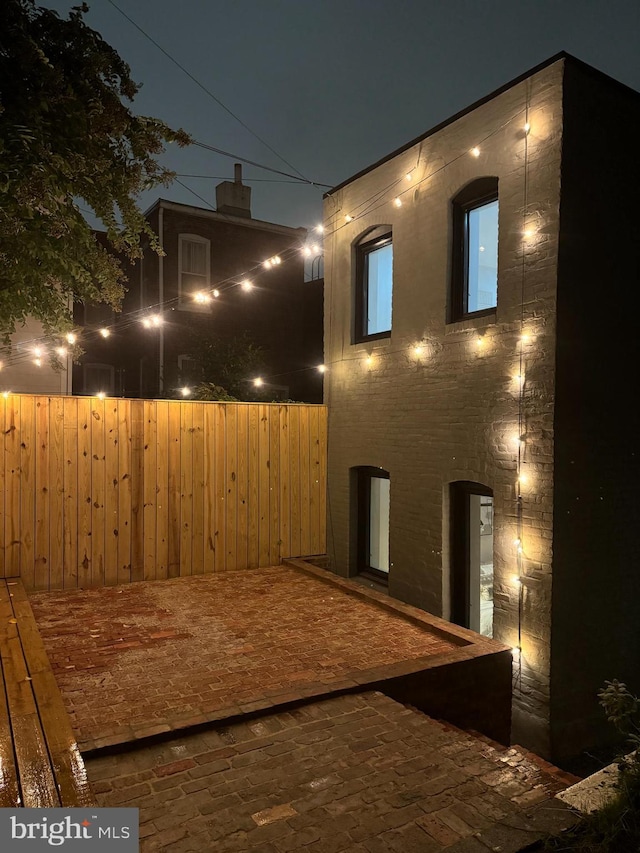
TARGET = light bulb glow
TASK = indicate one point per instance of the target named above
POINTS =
(5, 394)
(408, 176)
(71, 338)
(146, 322)
(267, 264)
(185, 391)
(258, 382)
(37, 362)
(246, 285)
(306, 251)
(216, 293)
(156, 320)
(105, 333)
(516, 580)
(475, 151)
(37, 351)
(201, 298)
(397, 201)
(417, 350)
(348, 218)
(315, 248)
(322, 368)
(527, 127)
(61, 351)
(515, 651)
(277, 260)
(101, 395)
(320, 229)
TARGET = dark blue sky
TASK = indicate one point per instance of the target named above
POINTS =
(334, 85)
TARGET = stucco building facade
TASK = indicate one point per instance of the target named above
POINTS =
(481, 283)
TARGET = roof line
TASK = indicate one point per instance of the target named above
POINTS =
(504, 88)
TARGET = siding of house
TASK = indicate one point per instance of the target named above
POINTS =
(453, 413)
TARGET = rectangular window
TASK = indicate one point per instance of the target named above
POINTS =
(379, 524)
(472, 557)
(193, 271)
(374, 289)
(372, 521)
(482, 257)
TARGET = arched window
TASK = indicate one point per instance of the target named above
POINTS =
(474, 269)
(472, 556)
(373, 285)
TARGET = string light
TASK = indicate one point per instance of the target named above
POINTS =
(348, 218)
(105, 333)
(246, 285)
(186, 392)
(322, 368)
(37, 362)
(71, 338)
(397, 201)
(417, 350)
(101, 395)
(320, 229)
(527, 127)
(408, 176)
(258, 382)
(216, 293)
(475, 151)
(153, 321)
(201, 298)
(61, 351)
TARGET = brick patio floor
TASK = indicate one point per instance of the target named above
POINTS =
(357, 773)
(146, 658)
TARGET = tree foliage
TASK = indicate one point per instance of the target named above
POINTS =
(225, 366)
(67, 136)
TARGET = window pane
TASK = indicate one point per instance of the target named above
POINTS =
(194, 257)
(379, 272)
(482, 281)
(379, 524)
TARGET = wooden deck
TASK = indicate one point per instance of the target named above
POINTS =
(40, 763)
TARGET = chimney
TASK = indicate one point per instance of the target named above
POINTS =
(234, 197)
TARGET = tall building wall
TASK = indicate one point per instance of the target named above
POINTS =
(455, 410)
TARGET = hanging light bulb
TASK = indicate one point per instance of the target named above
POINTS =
(258, 382)
(397, 201)
(475, 151)
(216, 293)
(201, 297)
(320, 229)
(186, 392)
(348, 218)
(246, 285)
(71, 338)
(101, 395)
(322, 368)
(61, 351)
(105, 333)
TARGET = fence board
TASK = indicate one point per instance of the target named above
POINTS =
(162, 489)
(98, 492)
(42, 496)
(197, 461)
(56, 492)
(112, 486)
(27, 490)
(12, 487)
(84, 492)
(70, 485)
(149, 514)
(186, 489)
(124, 491)
(253, 477)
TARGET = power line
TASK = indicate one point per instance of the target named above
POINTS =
(245, 180)
(258, 165)
(207, 91)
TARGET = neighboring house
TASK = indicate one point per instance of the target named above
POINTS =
(481, 311)
(26, 369)
(198, 285)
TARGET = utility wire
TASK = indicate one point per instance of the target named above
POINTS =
(207, 91)
(259, 165)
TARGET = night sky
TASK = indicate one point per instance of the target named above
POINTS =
(334, 85)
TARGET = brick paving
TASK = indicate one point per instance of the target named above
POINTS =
(358, 773)
(147, 658)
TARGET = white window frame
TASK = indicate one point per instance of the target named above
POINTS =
(185, 298)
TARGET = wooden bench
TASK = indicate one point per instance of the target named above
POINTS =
(40, 764)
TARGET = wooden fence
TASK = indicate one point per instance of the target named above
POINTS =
(99, 492)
